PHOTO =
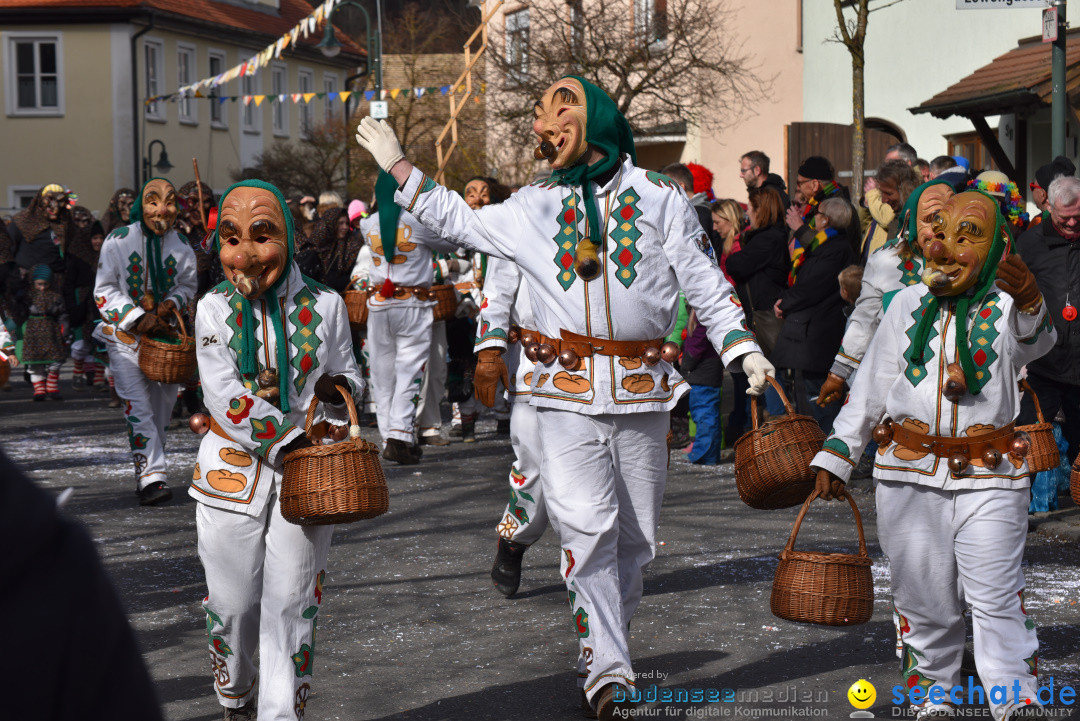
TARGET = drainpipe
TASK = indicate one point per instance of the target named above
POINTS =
(135, 96)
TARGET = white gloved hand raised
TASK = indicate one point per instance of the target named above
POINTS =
(757, 367)
(377, 137)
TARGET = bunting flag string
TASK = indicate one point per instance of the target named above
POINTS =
(343, 95)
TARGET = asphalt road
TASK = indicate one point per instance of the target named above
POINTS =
(411, 627)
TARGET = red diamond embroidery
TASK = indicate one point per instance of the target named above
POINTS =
(566, 261)
(625, 257)
(985, 313)
(626, 212)
(979, 357)
(306, 363)
(305, 316)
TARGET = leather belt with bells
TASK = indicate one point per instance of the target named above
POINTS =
(990, 448)
(573, 346)
(404, 291)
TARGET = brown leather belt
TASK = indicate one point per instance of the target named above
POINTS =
(999, 440)
(587, 346)
(404, 291)
(218, 430)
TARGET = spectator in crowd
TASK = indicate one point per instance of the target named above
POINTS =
(922, 167)
(681, 174)
(1045, 175)
(329, 200)
(885, 194)
(335, 250)
(940, 164)
(901, 151)
(816, 181)
(813, 310)
(727, 224)
(119, 211)
(1052, 251)
(754, 170)
(760, 267)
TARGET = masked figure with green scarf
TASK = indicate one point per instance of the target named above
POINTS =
(269, 342)
(952, 494)
(605, 247)
(145, 272)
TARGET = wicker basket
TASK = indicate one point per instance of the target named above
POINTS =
(1044, 454)
(445, 301)
(833, 589)
(339, 483)
(356, 305)
(772, 463)
(167, 362)
(1074, 481)
(5, 372)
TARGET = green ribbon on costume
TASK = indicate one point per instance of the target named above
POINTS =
(249, 346)
(973, 297)
(607, 130)
(389, 213)
(155, 271)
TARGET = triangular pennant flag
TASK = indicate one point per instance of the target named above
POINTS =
(328, 7)
(320, 96)
(383, 94)
(247, 100)
(294, 33)
(331, 96)
(344, 95)
(308, 97)
(286, 40)
(199, 95)
(281, 98)
(222, 99)
(419, 92)
(432, 89)
(259, 99)
(369, 95)
(243, 69)
(232, 98)
(296, 97)
(444, 89)
(318, 14)
(312, 25)
(395, 92)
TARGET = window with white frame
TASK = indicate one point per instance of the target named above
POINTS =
(217, 109)
(330, 86)
(185, 75)
(650, 20)
(517, 44)
(249, 85)
(305, 82)
(22, 196)
(154, 69)
(278, 77)
(34, 76)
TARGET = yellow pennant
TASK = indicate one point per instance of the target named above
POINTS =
(259, 99)
(308, 97)
(395, 92)
(344, 95)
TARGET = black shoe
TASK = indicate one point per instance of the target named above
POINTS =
(455, 430)
(468, 431)
(78, 382)
(506, 573)
(244, 713)
(503, 427)
(608, 708)
(39, 397)
(54, 396)
(157, 492)
(399, 452)
(416, 451)
(436, 440)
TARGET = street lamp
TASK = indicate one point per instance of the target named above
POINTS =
(162, 166)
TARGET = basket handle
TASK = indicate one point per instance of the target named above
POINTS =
(180, 324)
(354, 419)
(1026, 388)
(790, 547)
(788, 408)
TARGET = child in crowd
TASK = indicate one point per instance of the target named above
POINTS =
(43, 335)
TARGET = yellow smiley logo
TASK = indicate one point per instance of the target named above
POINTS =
(862, 694)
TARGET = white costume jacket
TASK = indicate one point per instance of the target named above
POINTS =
(241, 473)
(649, 252)
(123, 277)
(505, 303)
(886, 274)
(890, 383)
(411, 265)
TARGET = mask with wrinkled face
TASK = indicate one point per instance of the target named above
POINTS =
(963, 232)
(123, 205)
(52, 202)
(559, 123)
(159, 206)
(254, 240)
(931, 201)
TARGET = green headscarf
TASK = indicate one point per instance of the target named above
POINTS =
(972, 297)
(155, 270)
(389, 213)
(249, 346)
(607, 130)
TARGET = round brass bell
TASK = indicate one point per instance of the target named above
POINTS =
(199, 423)
(991, 458)
(545, 353)
(530, 350)
(1021, 444)
(651, 356)
(958, 462)
(514, 335)
(882, 434)
(339, 433)
(568, 359)
(529, 339)
(669, 352)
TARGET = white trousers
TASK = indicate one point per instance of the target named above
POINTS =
(603, 479)
(938, 539)
(265, 581)
(525, 517)
(147, 410)
(399, 338)
(82, 349)
(432, 390)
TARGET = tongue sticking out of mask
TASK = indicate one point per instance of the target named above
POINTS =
(935, 278)
(247, 285)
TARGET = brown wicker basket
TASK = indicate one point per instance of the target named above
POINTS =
(445, 301)
(833, 589)
(1074, 480)
(5, 372)
(1044, 454)
(167, 362)
(772, 463)
(338, 483)
(356, 305)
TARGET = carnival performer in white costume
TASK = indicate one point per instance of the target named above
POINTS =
(145, 273)
(604, 293)
(952, 493)
(269, 342)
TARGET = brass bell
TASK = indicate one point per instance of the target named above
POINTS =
(514, 335)
(651, 356)
(530, 349)
(883, 434)
(568, 359)
(991, 458)
(338, 433)
(545, 353)
(528, 339)
(1021, 444)
(199, 423)
(669, 352)
(955, 384)
(958, 462)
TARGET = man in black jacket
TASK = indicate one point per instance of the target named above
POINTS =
(754, 170)
(1052, 252)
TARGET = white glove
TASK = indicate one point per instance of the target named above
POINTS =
(377, 137)
(756, 367)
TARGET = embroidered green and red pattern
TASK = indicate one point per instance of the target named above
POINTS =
(519, 512)
(566, 239)
(135, 271)
(239, 408)
(306, 320)
(626, 235)
(661, 180)
(735, 337)
(170, 275)
(266, 432)
(982, 335)
(487, 333)
(916, 372)
(217, 643)
(837, 447)
(909, 271)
